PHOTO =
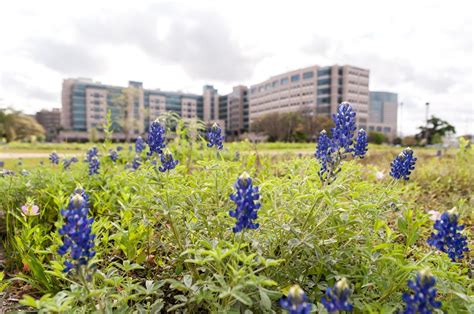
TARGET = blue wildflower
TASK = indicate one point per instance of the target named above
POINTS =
(94, 166)
(449, 239)
(324, 151)
(136, 162)
(245, 197)
(296, 302)
(6, 172)
(119, 148)
(156, 138)
(68, 162)
(337, 298)
(167, 161)
(139, 145)
(76, 232)
(113, 155)
(54, 158)
(361, 143)
(214, 136)
(403, 164)
(91, 153)
(345, 126)
(422, 300)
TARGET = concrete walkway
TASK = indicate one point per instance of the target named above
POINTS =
(31, 155)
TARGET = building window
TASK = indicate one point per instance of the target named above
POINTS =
(325, 100)
(324, 91)
(386, 130)
(274, 83)
(324, 71)
(295, 78)
(379, 129)
(371, 128)
(324, 81)
(284, 81)
(308, 75)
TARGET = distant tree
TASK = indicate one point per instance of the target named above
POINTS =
(397, 141)
(124, 103)
(434, 131)
(291, 126)
(409, 141)
(377, 137)
(16, 126)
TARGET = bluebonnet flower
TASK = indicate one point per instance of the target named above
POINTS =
(54, 158)
(7, 172)
(119, 148)
(337, 298)
(324, 151)
(245, 198)
(91, 153)
(76, 232)
(167, 161)
(422, 300)
(330, 152)
(449, 239)
(139, 145)
(403, 164)
(156, 138)
(214, 136)
(345, 126)
(68, 162)
(361, 143)
(94, 166)
(136, 162)
(113, 155)
(296, 302)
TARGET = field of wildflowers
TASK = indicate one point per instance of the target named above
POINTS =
(181, 223)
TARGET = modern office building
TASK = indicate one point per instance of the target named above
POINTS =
(237, 111)
(314, 90)
(85, 105)
(383, 108)
(51, 122)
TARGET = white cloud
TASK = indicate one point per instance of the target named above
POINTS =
(422, 50)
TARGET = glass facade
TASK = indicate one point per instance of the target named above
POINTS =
(308, 75)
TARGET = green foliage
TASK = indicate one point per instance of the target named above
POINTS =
(434, 130)
(377, 137)
(16, 126)
(292, 126)
(164, 241)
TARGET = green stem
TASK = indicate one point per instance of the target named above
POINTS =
(240, 241)
(403, 279)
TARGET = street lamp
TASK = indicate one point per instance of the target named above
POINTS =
(426, 130)
(427, 111)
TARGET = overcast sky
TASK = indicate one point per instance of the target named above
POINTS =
(421, 50)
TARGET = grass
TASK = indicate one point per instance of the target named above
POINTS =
(164, 241)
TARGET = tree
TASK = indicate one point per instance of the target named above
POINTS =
(124, 119)
(434, 130)
(16, 126)
(377, 137)
(292, 126)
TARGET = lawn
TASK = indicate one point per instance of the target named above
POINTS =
(165, 241)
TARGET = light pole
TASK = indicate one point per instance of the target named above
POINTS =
(427, 111)
(401, 119)
(426, 121)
